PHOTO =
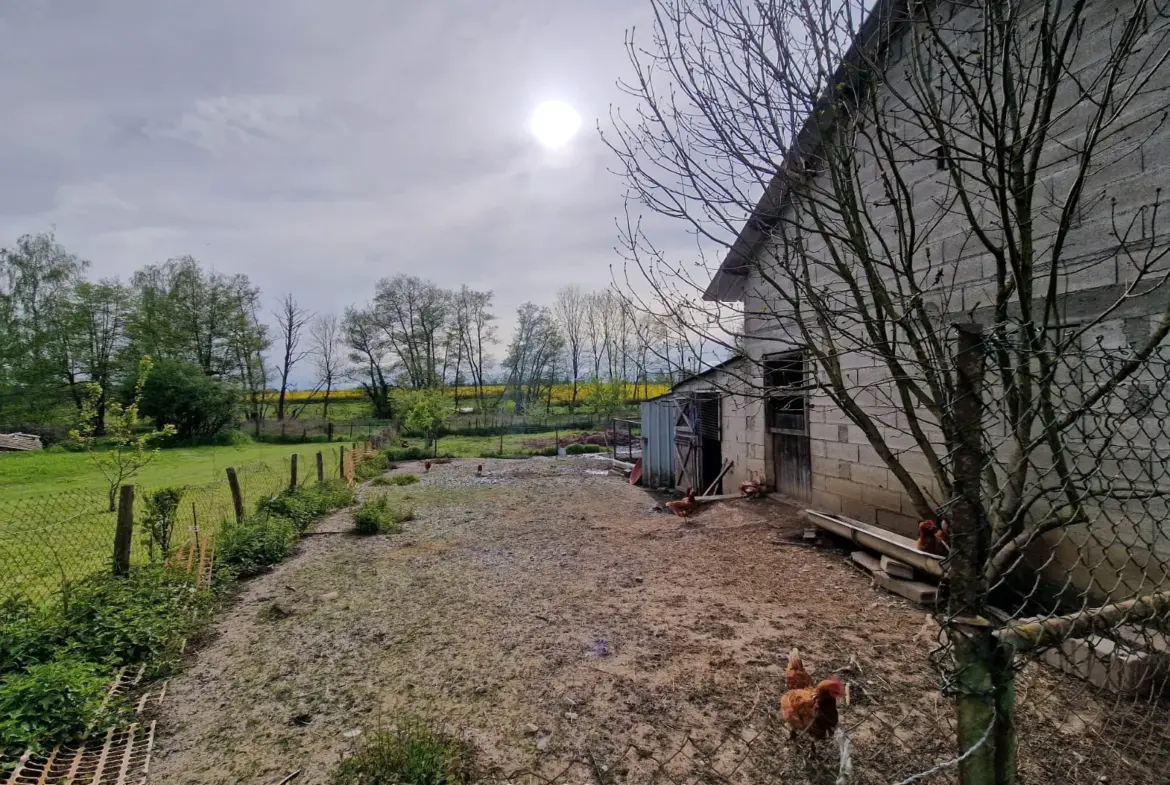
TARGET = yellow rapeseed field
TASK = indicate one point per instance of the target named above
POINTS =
(562, 393)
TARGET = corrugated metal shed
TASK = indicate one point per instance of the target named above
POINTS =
(658, 442)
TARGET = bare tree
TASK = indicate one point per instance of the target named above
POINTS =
(597, 329)
(370, 358)
(476, 332)
(326, 348)
(413, 315)
(863, 179)
(571, 309)
(291, 320)
(533, 353)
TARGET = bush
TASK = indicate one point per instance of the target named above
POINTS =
(583, 449)
(247, 548)
(52, 703)
(304, 505)
(405, 454)
(378, 516)
(411, 754)
(28, 634)
(371, 466)
(142, 617)
(383, 480)
(403, 479)
(158, 524)
(180, 394)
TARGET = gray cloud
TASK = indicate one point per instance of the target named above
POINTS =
(315, 146)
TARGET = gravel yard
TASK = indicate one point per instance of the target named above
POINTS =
(571, 631)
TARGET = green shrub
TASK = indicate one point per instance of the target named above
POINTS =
(28, 634)
(306, 504)
(405, 454)
(377, 516)
(52, 703)
(383, 480)
(583, 449)
(142, 617)
(158, 524)
(411, 754)
(371, 466)
(247, 548)
(404, 479)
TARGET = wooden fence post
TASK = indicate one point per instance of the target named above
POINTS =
(341, 463)
(292, 480)
(237, 496)
(125, 530)
(320, 466)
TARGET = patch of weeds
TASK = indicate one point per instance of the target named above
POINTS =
(248, 547)
(383, 480)
(304, 505)
(378, 516)
(53, 703)
(583, 449)
(273, 611)
(403, 479)
(412, 753)
(371, 466)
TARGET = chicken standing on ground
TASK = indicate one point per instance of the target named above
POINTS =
(795, 676)
(479, 470)
(685, 507)
(750, 489)
(426, 466)
(812, 710)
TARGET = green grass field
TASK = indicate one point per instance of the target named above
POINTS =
(54, 519)
(33, 474)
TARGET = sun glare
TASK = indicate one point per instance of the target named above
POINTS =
(554, 124)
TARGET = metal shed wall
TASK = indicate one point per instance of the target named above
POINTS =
(658, 443)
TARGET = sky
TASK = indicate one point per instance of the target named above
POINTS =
(317, 146)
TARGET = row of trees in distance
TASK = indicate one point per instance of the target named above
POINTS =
(68, 342)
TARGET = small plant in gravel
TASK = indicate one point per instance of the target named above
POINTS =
(378, 516)
(412, 753)
(403, 479)
(273, 611)
(382, 480)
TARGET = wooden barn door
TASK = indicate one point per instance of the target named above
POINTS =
(688, 457)
(788, 424)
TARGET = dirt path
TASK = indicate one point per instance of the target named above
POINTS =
(552, 616)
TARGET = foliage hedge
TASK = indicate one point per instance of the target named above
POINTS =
(57, 661)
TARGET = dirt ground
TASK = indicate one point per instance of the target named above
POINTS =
(571, 630)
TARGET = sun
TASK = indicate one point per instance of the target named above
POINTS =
(554, 124)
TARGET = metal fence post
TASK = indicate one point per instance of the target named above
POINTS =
(124, 531)
(237, 496)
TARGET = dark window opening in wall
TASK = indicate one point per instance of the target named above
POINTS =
(786, 376)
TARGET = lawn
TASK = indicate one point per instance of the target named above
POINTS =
(38, 474)
(54, 519)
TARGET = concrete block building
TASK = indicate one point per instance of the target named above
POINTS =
(778, 430)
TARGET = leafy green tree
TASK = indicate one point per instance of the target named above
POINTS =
(162, 513)
(129, 449)
(182, 395)
(427, 411)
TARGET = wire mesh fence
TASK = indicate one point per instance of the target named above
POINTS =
(1055, 624)
(48, 542)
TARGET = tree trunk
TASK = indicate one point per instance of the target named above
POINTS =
(984, 677)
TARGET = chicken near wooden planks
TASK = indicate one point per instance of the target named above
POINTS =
(933, 539)
(685, 507)
(751, 489)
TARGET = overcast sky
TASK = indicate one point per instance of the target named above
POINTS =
(316, 145)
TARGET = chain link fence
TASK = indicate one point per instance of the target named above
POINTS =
(48, 542)
(1054, 626)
